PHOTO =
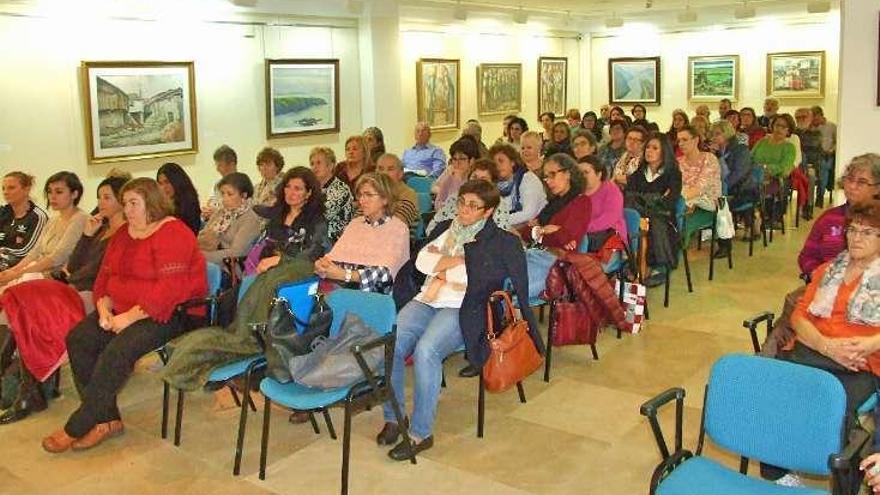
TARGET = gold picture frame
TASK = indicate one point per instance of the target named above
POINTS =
(137, 110)
(499, 89)
(796, 74)
(552, 85)
(438, 92)
(713, 77)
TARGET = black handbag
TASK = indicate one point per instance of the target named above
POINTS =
(280, 339)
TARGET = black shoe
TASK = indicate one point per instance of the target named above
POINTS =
(468, 372)
(388, 435)
(23, 407)
(401, 453)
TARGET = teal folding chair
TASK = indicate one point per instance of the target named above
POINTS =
(747, 410)
(420, 184)
(378, 312)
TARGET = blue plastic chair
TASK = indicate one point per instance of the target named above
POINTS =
(420, 184)
(301, 297)
(744, 415)
(426, 205)
(378, 312)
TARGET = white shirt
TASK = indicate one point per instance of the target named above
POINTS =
(451, 294)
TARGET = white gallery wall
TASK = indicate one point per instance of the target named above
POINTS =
(752, 44)
(42, 129)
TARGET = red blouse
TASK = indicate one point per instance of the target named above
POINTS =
(156, 273)
(572, 220)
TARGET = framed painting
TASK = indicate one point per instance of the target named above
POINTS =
(437, 92)
(137, 110)
(634, 80)
(499, 88)
(552, 85)
(713, 78)
(796, 74)
(302, 97)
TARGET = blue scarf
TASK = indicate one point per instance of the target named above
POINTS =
(510, 187)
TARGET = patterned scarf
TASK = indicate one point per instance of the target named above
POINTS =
(510, 187)
(456, 237)
(224, 217)
(864, 306)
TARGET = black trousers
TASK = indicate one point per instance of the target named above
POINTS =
(102, 362)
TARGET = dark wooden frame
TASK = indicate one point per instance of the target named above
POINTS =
(87, 66)
(421, 116)
(541, 60)
(300, 61)
(657, 87)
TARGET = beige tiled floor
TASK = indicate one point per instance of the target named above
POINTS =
(579, 434)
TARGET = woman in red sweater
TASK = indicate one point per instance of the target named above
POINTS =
(151, 265)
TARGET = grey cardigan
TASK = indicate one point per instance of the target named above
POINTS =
(238, 238)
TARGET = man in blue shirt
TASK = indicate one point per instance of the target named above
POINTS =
(424, 158)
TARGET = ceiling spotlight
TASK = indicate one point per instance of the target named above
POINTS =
(687, 16)
(459, 13)
(818, 6)
(614, 21)
(744, 11)
(520, 17)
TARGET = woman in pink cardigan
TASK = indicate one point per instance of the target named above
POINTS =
(606, 200)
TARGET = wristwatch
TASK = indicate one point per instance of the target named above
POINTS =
(347, 275)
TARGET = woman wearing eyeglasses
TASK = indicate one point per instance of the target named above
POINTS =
(861, 182)
(837, 321)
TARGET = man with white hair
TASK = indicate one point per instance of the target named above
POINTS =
(771, 108)
(424, 158)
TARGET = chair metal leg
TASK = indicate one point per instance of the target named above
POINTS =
(250, 401)
(687, 269)
(521, 392)
(314, 423)
(595, 352)
(730, 256)
(481, 407)
(178, 422)
(166, 398)
(442, 378)
(744, 465)
(711, 258)
(666, 288)
(549, 357)
(242, 424)
(264, 440)
(329, 422)
(751, 226)
(346, 446)
(234, 394)
(541, 313)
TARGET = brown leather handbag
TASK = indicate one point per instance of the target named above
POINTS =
(513, 355)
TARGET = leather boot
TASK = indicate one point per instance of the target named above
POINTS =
(29, 399)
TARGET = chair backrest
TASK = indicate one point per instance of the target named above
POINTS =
(426, 204)
(633, 229)
(301, 297)
(376, 310)
(780, 413)
(420, 184)
(680, 210)
(215, 277)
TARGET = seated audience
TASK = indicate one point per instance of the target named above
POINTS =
(561, 142)
(373, 246)
(771, 107)
(530, 151)
(56, 242)
(462, 154)
(573, 118)
(724, 106)
(700, 173)
(837, 321)
(776, 154)
(357, 161)
(629, 161)
(702, 110)
(547, 119)
(505, 124)
(444, 307)
(606, 201)
(610, 152)
(180, 192)
(338, 200)
(701, 125)
(475, 130)
(424, 158)
(67, 295)
(21, 220)
(226, 162)
(591, 123)
(829, 142)
(732, 116)
(861, 183)
(583, 143)
(270, 163)
(515, 130)
(406, 204)
(482, 169)
(811, 150)
(232, 229)
(735, 159)
(617, 113)
(375, 141)
(680, 120)
(640, 118)
(150, 266)
(521, 190)
(750, 127)
(295, 238)
(654, 190)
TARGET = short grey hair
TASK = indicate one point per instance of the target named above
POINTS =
(422, 124)
(869, 162)
(394, 159)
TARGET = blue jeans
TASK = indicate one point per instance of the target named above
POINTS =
(430, 335)
(538, 264)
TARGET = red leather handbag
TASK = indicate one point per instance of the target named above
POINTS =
(512, 355)
(573, 324)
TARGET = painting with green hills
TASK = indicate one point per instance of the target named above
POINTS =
(303, 97)
(713, 78)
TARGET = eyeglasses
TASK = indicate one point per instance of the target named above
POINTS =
(459, 159)
(366, 195)
(854, 232)
(858, 181)
(463, 205)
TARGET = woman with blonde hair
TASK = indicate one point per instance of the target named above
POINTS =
(357, 161)
(338, 200)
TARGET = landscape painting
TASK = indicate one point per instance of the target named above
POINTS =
(302, 97)
(499, 88)
(713, 78)
(139, 110)
(552, 85)
(796, 74)
(634, 80)
(437, 92)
